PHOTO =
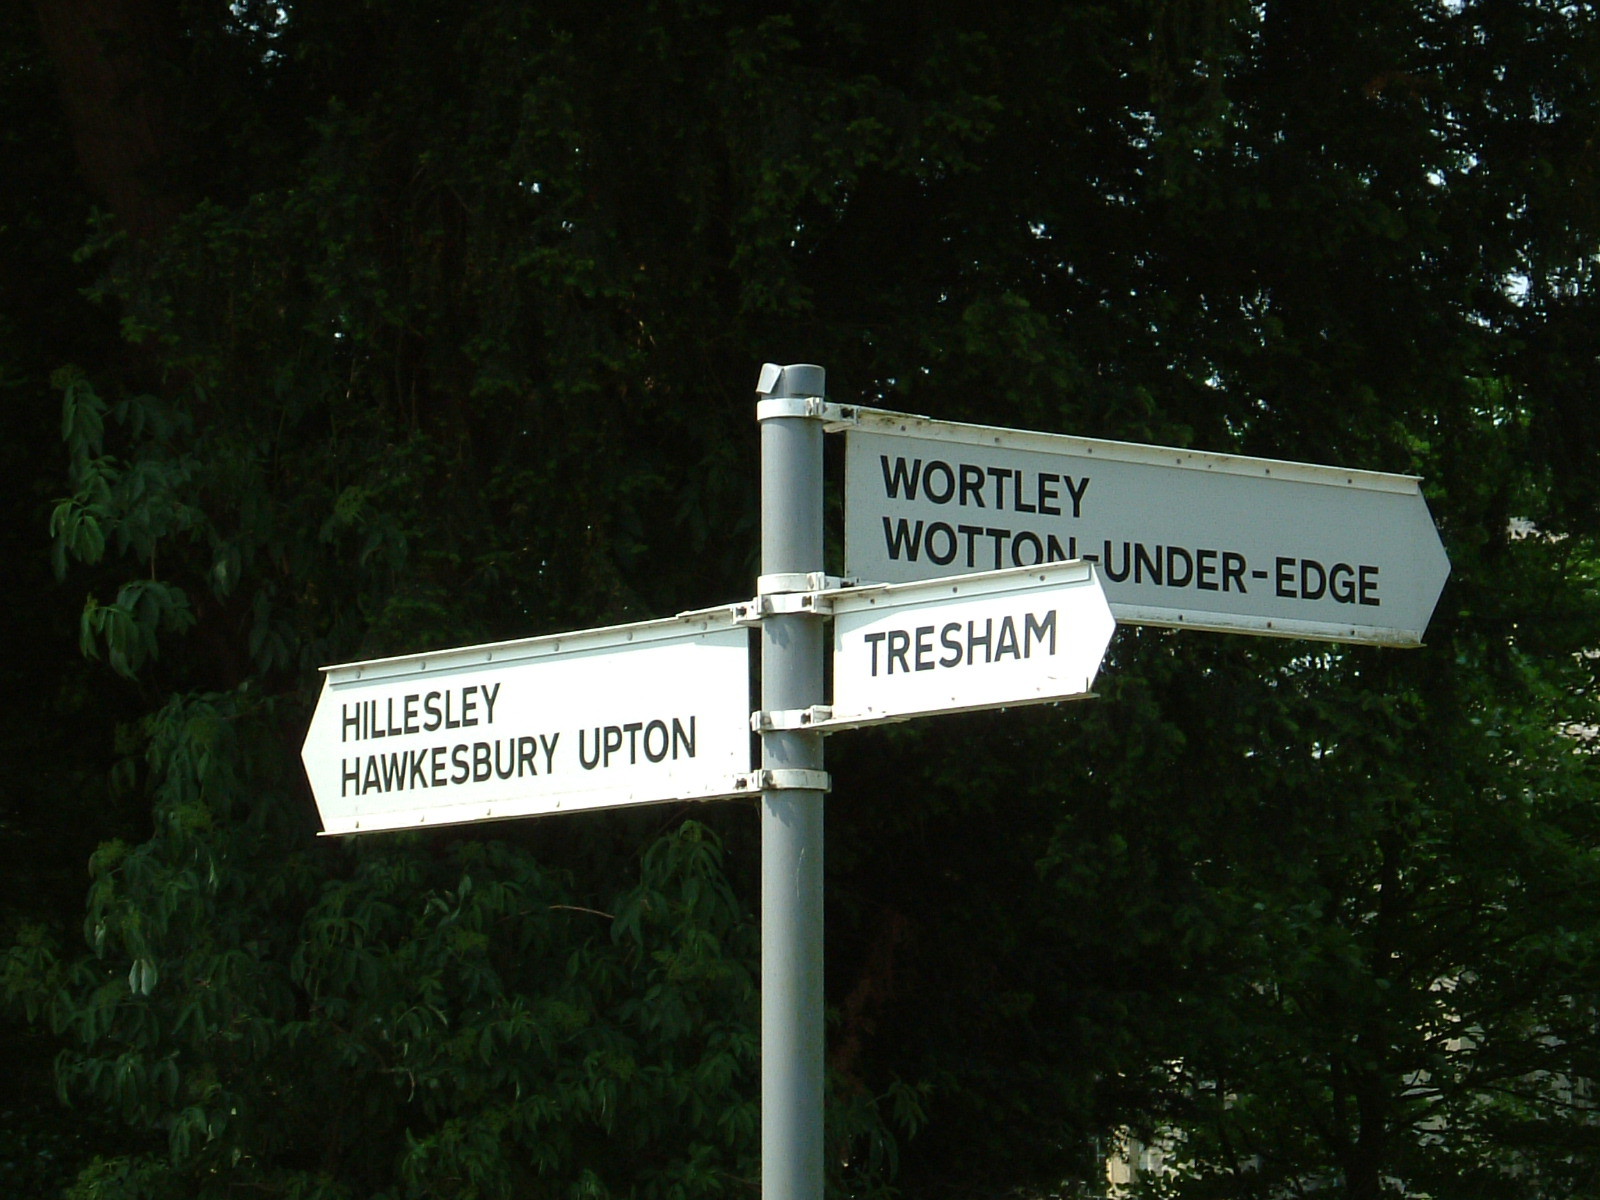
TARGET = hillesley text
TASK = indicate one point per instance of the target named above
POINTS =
(470, 747)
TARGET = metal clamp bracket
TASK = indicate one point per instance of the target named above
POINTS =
(833, 416)
(797, 581)
(785, 778)
(790, 718)
(839, 417)
(751, 612)
(770, 407)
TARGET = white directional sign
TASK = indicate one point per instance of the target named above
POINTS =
(1191, 540)
(593, 719)
(988, 640)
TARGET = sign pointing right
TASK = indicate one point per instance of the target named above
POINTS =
(1182, 539)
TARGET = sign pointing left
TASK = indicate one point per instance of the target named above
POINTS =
(599, 718)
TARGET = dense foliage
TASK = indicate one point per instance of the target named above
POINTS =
(330, 331)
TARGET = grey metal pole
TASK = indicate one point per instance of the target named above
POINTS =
(791, 818)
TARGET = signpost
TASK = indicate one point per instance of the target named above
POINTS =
(1184, 539)
(965, 534)
(594, 719)
(998, 639)
(792, 1002)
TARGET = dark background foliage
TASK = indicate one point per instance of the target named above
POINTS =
(336, 330)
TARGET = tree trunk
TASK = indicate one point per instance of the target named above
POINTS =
(115, 67)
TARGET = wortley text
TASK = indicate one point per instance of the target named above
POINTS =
(972, 485)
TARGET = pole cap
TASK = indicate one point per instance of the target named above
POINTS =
(796, 379)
